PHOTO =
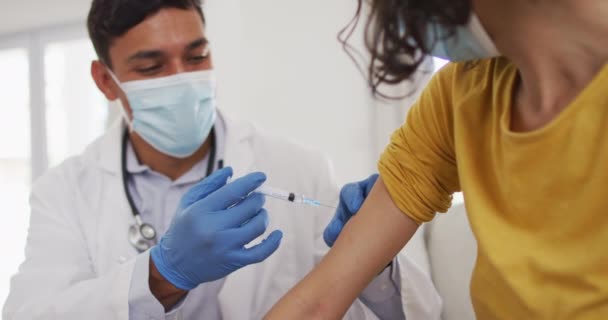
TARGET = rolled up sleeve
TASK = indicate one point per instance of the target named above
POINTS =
(419, 165)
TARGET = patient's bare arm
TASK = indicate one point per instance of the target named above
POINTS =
(366, 245)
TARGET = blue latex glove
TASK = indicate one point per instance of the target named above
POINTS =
(207, 237)
(352, 197)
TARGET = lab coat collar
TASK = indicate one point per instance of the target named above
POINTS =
(133, 164)
(239, 152)
(108, 155)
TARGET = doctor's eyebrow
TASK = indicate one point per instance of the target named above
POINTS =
(156, 54)
(145, 55)
(202, 42)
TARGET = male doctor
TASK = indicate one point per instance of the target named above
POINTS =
(131, 229)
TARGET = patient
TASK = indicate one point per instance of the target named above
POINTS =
(523, 136)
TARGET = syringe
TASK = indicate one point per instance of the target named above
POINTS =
(290, 197)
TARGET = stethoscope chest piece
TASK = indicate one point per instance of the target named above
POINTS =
(137, 239)
(147, 232)
(141, 235)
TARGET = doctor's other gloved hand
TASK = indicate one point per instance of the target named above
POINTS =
(352, 197)
(213, 223)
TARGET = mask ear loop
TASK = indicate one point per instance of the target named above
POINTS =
(124, 114)
(121, 107)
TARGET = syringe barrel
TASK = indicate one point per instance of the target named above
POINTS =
(290, 197)
(276, 193)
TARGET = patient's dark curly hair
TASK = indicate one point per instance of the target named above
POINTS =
(396, 34)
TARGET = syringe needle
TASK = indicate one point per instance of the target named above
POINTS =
(327, 206)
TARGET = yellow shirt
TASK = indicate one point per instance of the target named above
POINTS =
(537, 201)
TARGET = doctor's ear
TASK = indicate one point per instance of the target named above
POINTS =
(104, 81)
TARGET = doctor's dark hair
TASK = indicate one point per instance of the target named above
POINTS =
(396, 33)
(109, 19)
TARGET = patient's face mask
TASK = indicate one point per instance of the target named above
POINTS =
(173, 114)
(469, 42)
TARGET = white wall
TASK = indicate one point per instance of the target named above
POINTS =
(20, 15)
(280, 65)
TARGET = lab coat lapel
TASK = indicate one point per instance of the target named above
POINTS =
(238, 286)
(114, 222)
(114, 213)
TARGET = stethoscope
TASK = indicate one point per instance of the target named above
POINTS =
(142, 236)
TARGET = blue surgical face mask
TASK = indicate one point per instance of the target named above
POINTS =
(469, 42)
(173, 114)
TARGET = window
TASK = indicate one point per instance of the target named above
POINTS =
(14, 160)
(75, 110)
(50, 110)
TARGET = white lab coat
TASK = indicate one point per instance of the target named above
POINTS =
(79, 262)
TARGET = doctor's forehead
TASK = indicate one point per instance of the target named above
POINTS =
(170, 30)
